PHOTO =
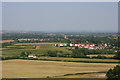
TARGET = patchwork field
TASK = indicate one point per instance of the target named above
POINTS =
(43, 69)
(35, 48)
(56, 67)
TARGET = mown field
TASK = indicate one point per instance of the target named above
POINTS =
(107, 55)
(55, 69)
(35, 48)
(4, 41)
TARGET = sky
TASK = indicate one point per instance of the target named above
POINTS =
(60, 16)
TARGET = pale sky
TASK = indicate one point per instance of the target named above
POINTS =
(60, 16)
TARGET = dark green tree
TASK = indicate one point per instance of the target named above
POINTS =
(22, 54)
(113, 74)
(52, 53)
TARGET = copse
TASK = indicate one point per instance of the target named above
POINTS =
(25, 54)
(113, 74)
(78, 53)
(52, 53)
(117, 56)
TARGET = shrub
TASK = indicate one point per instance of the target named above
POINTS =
(113, 74)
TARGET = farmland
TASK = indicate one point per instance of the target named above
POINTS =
(56, 61)
(42, 69)
(108, 55)
(79, 60)
(4, 41)
(42, 49)
(35, 48)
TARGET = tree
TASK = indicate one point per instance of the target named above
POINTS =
(52, 53)
(22, 54)
(76, 47)
(77, 54)
(25, 54)
(117, 55)
(113, 74)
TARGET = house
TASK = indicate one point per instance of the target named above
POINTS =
(61, 45)
(76, 44)
(32, 56)
(65, 44)
(71, 45)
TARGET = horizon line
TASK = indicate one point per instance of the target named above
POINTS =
(60, 0)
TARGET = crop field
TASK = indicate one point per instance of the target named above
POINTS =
(4, 41)
(42, 69)
(108, 55)
(35, 48)
(34, 43)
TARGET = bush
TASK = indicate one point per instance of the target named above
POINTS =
(14, 57)
(113, 74)
(52, 53)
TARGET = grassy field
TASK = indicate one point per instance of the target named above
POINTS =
(40, 49)
(43, 48)
(43, 69)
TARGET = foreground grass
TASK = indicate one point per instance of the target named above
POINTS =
(42, 69)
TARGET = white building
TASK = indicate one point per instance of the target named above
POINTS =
(32, 56)
(71, 45)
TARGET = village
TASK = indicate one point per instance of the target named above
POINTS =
(88, 46)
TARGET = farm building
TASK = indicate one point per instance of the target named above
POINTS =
(32, 56)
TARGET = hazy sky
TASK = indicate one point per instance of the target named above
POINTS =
(70, 17)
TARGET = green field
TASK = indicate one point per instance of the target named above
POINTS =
(42, 49)
(35, 48)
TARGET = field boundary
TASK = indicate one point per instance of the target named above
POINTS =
(79, 74)
(79, 61)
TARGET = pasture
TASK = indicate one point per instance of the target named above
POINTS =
(42, 69)
(35, 48)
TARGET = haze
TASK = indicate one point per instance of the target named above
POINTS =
(60, 16)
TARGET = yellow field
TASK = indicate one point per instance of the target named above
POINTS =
(34, 43)
(4, 41)
(42, 69)
(107, 55)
